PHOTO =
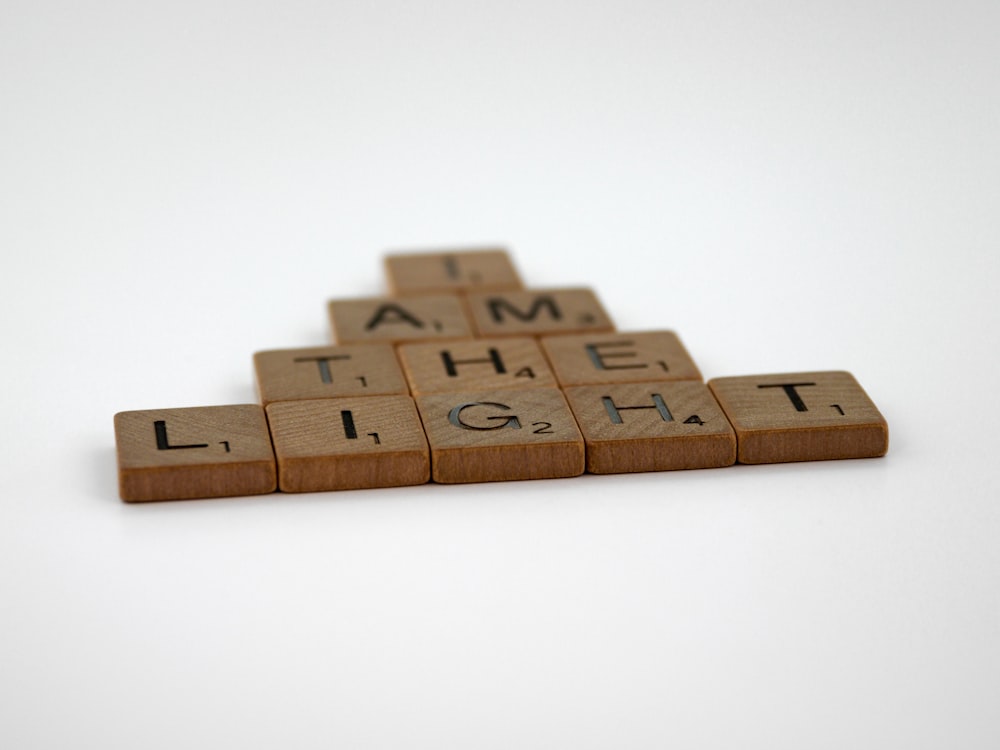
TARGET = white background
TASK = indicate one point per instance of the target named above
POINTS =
(790, 186)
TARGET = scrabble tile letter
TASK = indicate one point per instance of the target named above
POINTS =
(535, 313)
(206, 451)
(328, 372)
(348, 443)
(806, 416)
(385, 320)
(652, 427)
(489, 436)
(479, 364)
(591, 359)
(459, 271)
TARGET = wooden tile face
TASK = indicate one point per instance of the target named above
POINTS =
(385, 320)
(328, 372)
(459, 271)
(804, 416)
(489, 436)
(479, 364)
(205, 451)
(537, 312)
(592, 359)
(348, 443)
(652, 427)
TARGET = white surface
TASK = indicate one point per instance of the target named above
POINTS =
(789, 186)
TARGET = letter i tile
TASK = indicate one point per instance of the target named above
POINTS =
(803, 416)
(348, 443)
(456, 271)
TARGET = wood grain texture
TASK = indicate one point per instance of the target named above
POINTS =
(451, 271)
(636, 357)
(490, 436)
(434, 317)
(660, 426)
(348, 443)
(802, 416)
(479, 364)
(537, 312)
(204, 451)
(328, 372)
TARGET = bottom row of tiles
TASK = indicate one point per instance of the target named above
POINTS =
(485, 436)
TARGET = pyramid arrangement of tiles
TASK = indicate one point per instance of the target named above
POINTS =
(464, 375)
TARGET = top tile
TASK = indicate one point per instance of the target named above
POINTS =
(458, 271)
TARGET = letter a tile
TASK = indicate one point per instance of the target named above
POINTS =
(433, 317)
(348, 443)
(491, 436)
(803, 416)
(203, 451)
(652, 427)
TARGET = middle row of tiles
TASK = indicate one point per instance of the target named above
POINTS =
(476, 364)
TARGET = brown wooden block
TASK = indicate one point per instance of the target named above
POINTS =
(489, 436)
(458, 271)
(386, 320)
(802, 416)
(476, 365)
(592, 359)
(202, 451)
(328, 372)
(652, 427)
(537, 312)
(348, 443)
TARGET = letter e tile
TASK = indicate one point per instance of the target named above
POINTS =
(497, 435)
(594, 358)
(348, 443)
(652, 427)
(803, 416)
(202, 451)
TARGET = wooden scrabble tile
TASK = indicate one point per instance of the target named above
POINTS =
(537, 312)
(328, 372)
(386, 320)
(348, 443)
(803, 416)
(203, 451)
(475, 365)
(592, 359)
(652, 427)
(488, 436)
(458, 271)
